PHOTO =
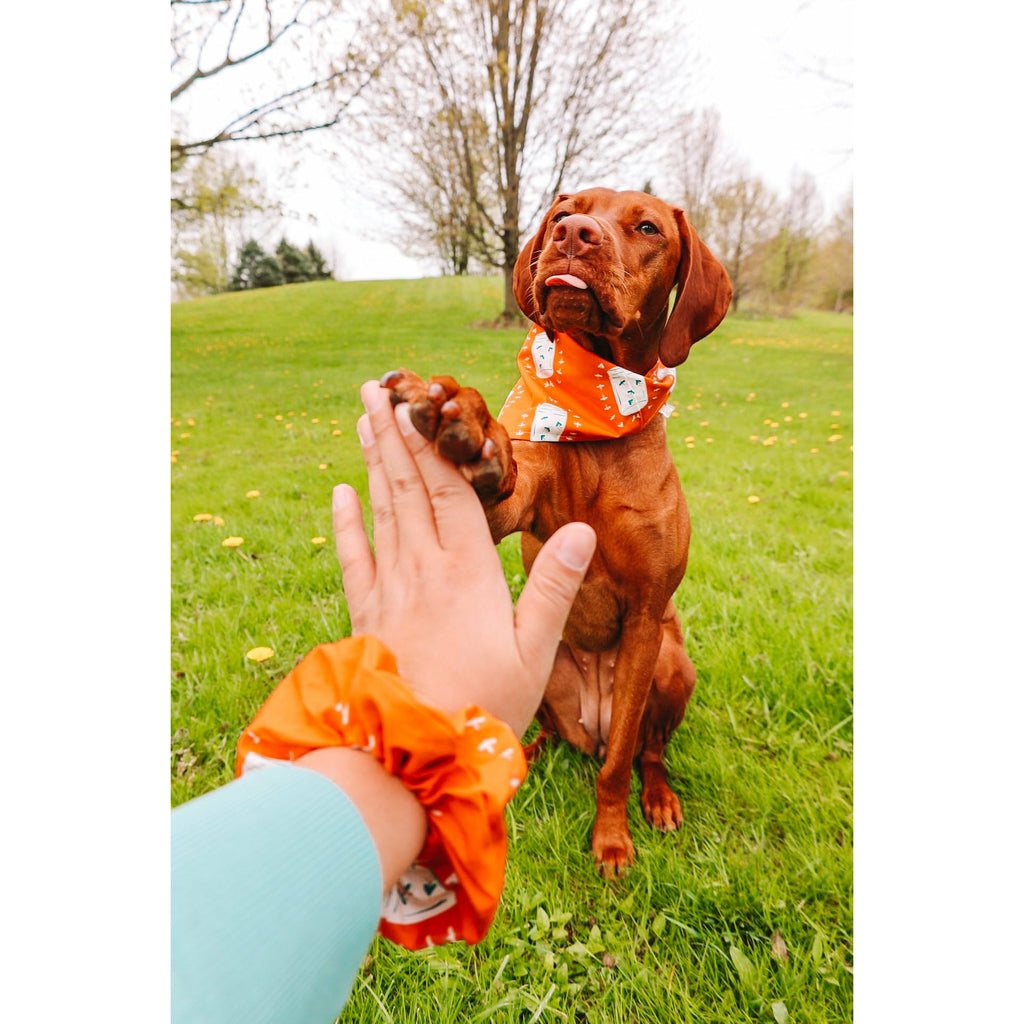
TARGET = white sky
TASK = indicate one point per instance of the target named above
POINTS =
(753, 59)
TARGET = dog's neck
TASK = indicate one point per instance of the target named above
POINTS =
(635, 349)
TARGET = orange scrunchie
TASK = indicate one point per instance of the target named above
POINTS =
(463, 768)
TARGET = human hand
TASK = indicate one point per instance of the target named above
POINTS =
(434, 591)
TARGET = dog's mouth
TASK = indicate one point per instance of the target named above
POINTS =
(570, 301)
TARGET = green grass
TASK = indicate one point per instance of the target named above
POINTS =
(763, 761)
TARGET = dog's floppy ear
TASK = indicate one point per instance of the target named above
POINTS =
(526, 261)
(702, 297)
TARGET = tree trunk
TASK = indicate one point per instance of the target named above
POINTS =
(510, 313)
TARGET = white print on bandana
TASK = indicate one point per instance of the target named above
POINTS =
(417, 895)
(630, 390)
(548, 422)
(543, 351)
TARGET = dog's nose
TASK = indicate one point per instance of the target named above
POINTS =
(576, 234)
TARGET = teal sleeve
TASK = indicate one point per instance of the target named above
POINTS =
(275, 898)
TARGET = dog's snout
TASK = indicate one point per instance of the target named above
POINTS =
(576, 234)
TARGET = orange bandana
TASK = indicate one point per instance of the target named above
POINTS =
(566, 393)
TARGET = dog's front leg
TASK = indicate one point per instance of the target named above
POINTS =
(634, 671)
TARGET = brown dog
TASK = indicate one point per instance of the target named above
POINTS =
(601, 270)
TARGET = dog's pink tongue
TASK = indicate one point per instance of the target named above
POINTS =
(567, 279)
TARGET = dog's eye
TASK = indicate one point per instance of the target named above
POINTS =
(559, 216)
(647, 228)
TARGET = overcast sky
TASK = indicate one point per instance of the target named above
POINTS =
(757, 66)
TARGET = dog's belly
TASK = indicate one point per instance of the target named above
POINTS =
(578, 699)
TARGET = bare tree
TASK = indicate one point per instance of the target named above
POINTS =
(834, 259)
(740, 216)
(789, 253)
(699, 166)
(501, 104)
(314, 58)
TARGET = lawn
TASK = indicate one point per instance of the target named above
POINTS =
(744, 914)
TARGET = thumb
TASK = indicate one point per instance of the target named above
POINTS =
(548, 595)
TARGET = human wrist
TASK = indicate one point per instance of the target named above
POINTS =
(393, 816)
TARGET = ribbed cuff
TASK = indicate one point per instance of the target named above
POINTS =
(276, 895)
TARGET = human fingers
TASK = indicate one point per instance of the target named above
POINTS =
(385, 528)
(409, 500)
(458, 516)
(544, 604)
(358, 570)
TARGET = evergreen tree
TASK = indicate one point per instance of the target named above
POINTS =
(255, 269)
(317, 263)
(295, 265)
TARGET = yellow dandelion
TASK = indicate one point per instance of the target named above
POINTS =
(323, 465)
(218, 521)
(202, 517)
(278, 417)
(336, 433)
(754, 437)
(689, 408)
(260, 653)
(288, 426)
(836, 412)
(319, 540)
(174, 458)
(802, 415)
(785, 405)
(315, 419)
(674, 413)
(252, 494)
(835, 437)
(709, 439)
(290, 415)
(814, 451)
(767, 422)
(704, 423)
(690, 444)
(787, 419)
(753, 499)
(769, 441)
(302, 414)
(184, 436)
(833, 426)
(690, 438)
(232, 542)
(190, 423)
(334, 423)
(751, 396)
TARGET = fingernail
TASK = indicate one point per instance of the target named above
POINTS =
(372, 395)
(403, 419)
(577, 546)
(342, 495)
(365, 431)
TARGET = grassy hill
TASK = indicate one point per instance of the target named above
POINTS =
(745, 913)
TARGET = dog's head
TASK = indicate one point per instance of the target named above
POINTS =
(602, 268)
